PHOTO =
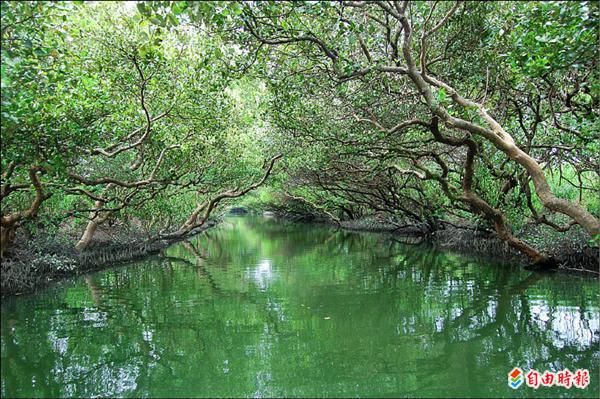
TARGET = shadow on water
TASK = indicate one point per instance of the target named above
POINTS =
(257, 307)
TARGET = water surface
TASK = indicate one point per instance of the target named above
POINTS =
(263, 308)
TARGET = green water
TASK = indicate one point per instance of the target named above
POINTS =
(263, 308)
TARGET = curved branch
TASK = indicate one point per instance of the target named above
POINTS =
(192, 222)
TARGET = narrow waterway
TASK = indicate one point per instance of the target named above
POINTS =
(259, 307)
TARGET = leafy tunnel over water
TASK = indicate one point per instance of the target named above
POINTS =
(259, 307)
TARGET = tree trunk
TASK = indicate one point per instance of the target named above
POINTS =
(495, 134)
(9, 222)
(547, 197)
(502, 229)
(7, 237)
(96, 219)
(87, 235)
(478, 204)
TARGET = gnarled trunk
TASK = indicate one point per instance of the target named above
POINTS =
(497, 136)
(96, 219)
(478, 204)
(9, 222)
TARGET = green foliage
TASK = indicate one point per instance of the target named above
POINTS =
(240, 81)
(547, 36)
(78, 79)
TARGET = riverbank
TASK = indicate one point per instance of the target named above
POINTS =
(572, 251)
(38, 261)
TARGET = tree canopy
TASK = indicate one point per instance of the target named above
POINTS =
(432, 113)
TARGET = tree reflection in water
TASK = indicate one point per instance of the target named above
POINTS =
(264, 308)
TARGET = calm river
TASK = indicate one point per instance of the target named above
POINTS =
(262, 308)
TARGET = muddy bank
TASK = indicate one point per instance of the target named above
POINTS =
(572, 251)
(37, 262)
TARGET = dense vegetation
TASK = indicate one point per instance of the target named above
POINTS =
(476, 115)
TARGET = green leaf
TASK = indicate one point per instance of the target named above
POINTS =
(172, 19)
(141, 6)
(157, 20)
(441, 95)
